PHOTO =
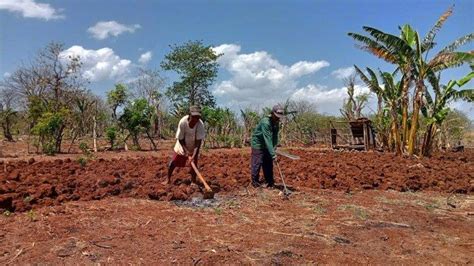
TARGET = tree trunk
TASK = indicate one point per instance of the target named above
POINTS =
(405, 102)
(6, 131)
(59, 139)
(420, 88)
(397, 141)
(428, 140)
(136, 142)
(94, 133)
(151, 140)
(73, 140)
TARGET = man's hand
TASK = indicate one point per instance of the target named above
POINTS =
(190, 159)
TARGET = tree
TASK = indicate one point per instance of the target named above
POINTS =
(8, 113)
(197, 66)
(47, 87)
(149, 85)
(409, 53)
(353, 105)
(452, 130)
(391, 96)
(136, 118)
(250, 119)
(221, 126)
(117, 97)
(436, 110)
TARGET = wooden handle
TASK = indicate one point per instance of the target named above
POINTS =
(208, 188)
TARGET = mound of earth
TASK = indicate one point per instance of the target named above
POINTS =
(25, 184)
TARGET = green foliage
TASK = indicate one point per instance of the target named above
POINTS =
(197, 66)
(117, 97)
(136, 118)
(304, 124)
(8, 117)
(409, 53)
(222, 128)
(49, 127)
(250, 119)
(82, 161)
(111, 134)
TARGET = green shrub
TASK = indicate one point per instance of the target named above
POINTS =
(111, 134)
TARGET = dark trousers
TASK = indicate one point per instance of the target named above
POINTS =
(261, 159)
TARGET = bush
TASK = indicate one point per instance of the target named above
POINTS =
(50, 128)
(82, 161)
(111, 134)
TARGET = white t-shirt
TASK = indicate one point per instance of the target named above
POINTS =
(190, 135)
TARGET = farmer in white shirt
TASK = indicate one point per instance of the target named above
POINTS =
(189, 137)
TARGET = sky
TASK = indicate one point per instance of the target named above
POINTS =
(272, 50)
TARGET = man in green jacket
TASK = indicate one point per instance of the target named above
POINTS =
(264, 141)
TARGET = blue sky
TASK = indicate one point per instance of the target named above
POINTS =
(272, 49)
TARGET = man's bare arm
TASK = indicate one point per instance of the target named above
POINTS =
(197, 147)
(183, 144)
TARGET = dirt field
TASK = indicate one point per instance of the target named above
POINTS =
(347, 207)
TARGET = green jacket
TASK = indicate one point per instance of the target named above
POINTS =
(265, 136)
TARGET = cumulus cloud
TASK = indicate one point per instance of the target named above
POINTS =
(145, 57)
(104, 29)
(327, 100)
(343, 73)
(6, 74)
(101, 64)
(258, 78)
(31, 9)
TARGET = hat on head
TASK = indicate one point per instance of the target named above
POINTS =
(195, 110)
(278, 111)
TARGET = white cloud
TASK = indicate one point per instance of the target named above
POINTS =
(104, 29)
(145, 57)
(343, 73)
(328, 100)
(101, 64)
(257, 78)
(6, 74)
(31, 9)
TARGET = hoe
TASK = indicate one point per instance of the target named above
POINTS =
(208, 193)
(286, 191)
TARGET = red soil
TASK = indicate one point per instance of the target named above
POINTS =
(26, 184)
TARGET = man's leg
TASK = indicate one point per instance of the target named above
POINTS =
(192, 172)
(255, 165)
(171, 168)
(268, 169)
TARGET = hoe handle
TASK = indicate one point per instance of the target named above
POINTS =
(208, 188)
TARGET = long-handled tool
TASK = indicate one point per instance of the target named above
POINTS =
(286, 191)
(287, 155)
(208, 193)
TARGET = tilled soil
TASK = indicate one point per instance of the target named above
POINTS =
(251, 227)
(27, 184)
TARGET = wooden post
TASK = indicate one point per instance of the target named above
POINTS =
(366, 136)
(333, 138)
(94, 133)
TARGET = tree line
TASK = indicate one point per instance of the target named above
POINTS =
(48, 99)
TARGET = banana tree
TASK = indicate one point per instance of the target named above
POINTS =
(390, 94)
(436, 110)
(410, 54)
(395, 50)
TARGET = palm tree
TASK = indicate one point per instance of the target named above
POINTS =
(436, 110)
(410, 55)
(390, 94)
